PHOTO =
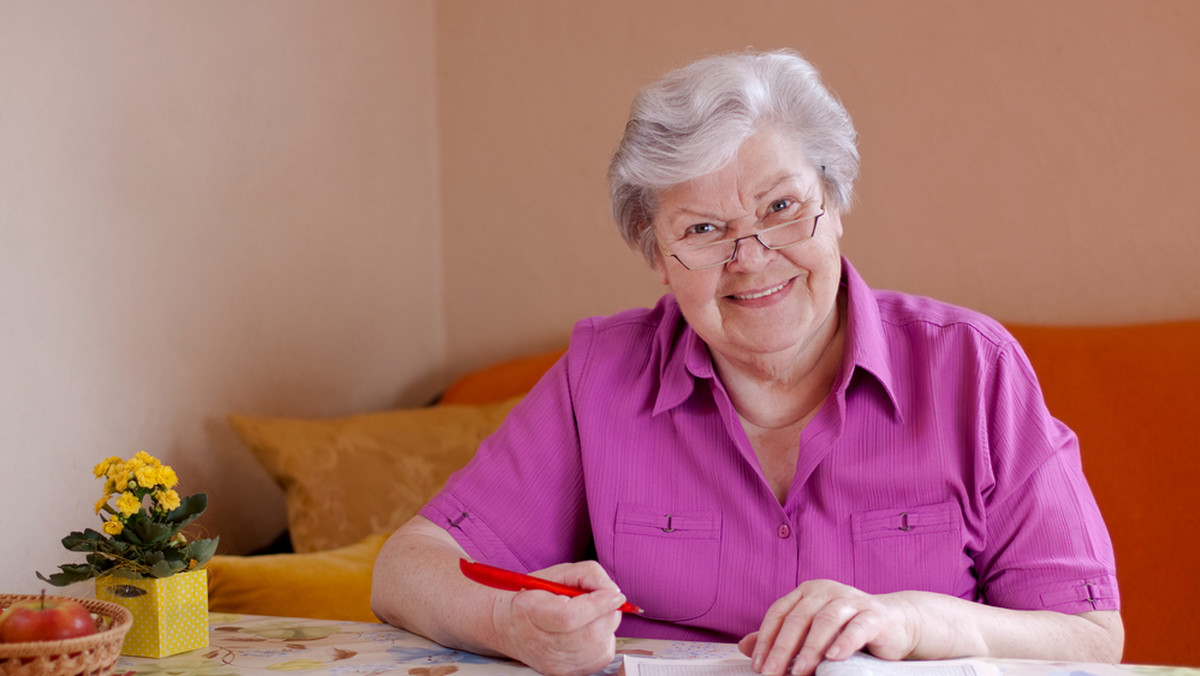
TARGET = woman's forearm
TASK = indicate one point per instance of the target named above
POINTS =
(416, 583)
(418, 586)
(952, 627)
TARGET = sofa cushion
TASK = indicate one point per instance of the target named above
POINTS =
(500, 381)
(346, 478)
(331, 585)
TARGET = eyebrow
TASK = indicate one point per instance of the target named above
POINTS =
(781, 180)
(684, 211)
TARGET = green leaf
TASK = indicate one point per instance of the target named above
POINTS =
(86, 541)
(161, 569)
(61, 579)
(190, 508)
(201, 550)
(151, 533)
(95, 559)
(71, 573)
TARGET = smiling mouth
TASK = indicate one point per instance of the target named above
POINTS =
(760, 294)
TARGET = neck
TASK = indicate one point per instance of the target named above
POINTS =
(780, 390)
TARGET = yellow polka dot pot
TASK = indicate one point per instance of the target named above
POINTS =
(170, 614)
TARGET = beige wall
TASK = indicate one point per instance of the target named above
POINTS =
(313, 208)
(1034, 160)
(204, 208)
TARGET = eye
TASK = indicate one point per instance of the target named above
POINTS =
(700, 229)
(780, 205)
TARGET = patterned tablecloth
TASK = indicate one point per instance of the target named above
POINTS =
(252, 644)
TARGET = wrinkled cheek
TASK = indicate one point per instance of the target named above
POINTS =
(827, 279)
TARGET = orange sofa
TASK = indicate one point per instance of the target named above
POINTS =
(1131, 393)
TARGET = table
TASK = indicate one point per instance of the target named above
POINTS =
(256, 644)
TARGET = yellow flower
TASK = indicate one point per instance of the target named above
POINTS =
(128, 504)
(166, 477)
(102, 501)
(144, 458)
(113, 526)
(146, 476)
(101, 468)
(120, 479)
(167, 500)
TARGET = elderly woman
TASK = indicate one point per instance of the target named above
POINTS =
(775, 453)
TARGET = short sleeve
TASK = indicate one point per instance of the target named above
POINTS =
(520, 502)
(1047, 547)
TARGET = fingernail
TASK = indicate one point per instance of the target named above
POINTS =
(756, 663)
(834, 653)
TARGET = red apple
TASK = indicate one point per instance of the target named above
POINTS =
(45, 619)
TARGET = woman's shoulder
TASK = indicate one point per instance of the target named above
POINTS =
(637, 345)
(940, 319)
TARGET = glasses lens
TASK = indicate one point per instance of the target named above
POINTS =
(707, 256)
(787, 234)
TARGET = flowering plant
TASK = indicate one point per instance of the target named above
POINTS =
(142, 533)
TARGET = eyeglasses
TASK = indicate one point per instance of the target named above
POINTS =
(702, 255)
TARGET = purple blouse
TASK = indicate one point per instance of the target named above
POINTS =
(933, 465)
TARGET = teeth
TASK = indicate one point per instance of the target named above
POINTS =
(761, 294)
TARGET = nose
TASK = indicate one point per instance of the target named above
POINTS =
(747, 255)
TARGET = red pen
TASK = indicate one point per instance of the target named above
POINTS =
(508, 580)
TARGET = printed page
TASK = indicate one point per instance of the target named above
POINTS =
(862, 664)
(634, 665)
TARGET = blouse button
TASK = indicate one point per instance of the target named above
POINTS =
(784, 531)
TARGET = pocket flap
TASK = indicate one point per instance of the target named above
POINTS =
(899, 522)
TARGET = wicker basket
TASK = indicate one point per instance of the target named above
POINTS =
(93, 655)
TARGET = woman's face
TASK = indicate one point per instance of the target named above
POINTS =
(762, 304)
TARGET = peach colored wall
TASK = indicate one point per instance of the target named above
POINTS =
(1032, 160)
(205, 207)
(312, 208)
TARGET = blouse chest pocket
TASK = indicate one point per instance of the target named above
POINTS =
(910, 548)
(667, 562)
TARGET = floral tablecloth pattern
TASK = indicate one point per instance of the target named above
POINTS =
(255, 644)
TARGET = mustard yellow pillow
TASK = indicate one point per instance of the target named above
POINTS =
(347, 478)
(331, 585)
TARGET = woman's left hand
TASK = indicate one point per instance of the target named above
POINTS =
(823, 619)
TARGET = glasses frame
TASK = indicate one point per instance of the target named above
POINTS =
(736, 241)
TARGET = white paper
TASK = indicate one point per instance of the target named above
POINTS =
(859, 664)
(862, 664)
(659, 666)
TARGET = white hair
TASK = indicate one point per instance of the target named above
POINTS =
(692, 122)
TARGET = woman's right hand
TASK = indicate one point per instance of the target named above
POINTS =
(418, 586)
(560, 635)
